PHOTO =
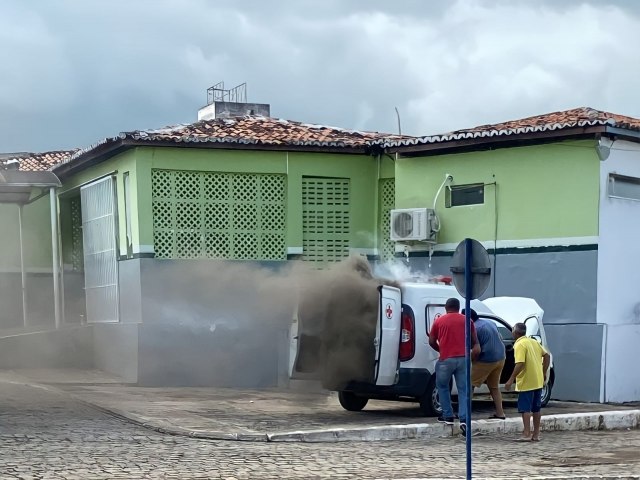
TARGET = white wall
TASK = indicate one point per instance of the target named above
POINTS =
(622, 377)
(619, 276)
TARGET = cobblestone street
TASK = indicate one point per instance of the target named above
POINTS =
(45, 435)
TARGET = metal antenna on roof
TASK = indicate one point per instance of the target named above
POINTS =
(218, 93)
(399, 127)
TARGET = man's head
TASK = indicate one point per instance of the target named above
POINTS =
(519, 330)
(472, 313)
(452, 305)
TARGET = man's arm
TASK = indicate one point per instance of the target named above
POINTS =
(475, 352)
(517, 369)
(546, 360)
(520, 357)
(433, 343)
(475, 344)
(433, 336)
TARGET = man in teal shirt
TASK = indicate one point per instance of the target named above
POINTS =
(487, 366)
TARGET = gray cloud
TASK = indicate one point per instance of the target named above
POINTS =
(74, 71)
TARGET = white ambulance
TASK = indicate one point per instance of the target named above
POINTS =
(402, 363)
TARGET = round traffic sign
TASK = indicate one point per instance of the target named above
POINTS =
(480, 268)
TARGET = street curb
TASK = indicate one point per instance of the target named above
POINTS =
(608, 420)
(561, 477)
(611, 420)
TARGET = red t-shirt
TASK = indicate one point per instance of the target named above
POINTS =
(448, 330)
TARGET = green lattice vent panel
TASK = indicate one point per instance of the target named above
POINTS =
(387, 203)
(325, 219)
(219, 215)
(77, 255)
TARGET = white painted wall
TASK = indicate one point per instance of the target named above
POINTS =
(207, 113)
(619, 276)
(622, 377)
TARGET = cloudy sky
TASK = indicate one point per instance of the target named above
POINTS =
(75, 71)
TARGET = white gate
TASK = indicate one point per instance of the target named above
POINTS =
(100, 250)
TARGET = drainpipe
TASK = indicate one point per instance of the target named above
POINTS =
(376, 209)
(22, 272)
(53, 203)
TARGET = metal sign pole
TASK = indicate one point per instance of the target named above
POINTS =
(468, 280)
(471, 276)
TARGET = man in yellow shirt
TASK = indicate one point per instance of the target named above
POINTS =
(530, 375)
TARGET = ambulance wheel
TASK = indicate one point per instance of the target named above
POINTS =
(352, 402)
(430, 401)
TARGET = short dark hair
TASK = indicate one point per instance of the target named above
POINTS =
(520, 329)
(472, 313)
(452, 305)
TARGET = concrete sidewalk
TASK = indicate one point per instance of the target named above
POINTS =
(289, 415)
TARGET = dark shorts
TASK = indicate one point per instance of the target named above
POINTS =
(530, 401)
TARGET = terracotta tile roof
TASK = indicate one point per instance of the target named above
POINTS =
(263, 131)
(247, 130)
(35, 162)
(577, 117)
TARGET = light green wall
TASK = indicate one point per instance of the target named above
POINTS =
(387, 166)
(118, 165)
(36, 236)
(543, 191)
(362, 170)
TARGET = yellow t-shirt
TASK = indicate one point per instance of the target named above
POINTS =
(530, 352)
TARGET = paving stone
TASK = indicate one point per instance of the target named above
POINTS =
(44, 435)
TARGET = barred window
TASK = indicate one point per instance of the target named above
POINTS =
(219, 215)
(325, 219)
(387, 203)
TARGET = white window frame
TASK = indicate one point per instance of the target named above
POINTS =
(451, 188)
(611, 183)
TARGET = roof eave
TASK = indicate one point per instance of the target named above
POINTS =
(100, 153)
(498, 141)
(623, 133)
(253, 146)
(113, 147)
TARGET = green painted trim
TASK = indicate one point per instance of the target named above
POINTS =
(135, 256)
(551, 249)
(513, 250)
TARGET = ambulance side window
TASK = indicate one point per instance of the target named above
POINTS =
(432, 312)
(505, 333)
(533, 326)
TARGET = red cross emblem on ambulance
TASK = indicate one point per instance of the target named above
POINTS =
(388, 311)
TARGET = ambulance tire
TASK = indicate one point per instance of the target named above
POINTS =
(429, 402)
(352, 402)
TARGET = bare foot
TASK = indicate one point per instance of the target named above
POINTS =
(524, 439)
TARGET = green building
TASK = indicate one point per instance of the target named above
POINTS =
(555, 199)
(146, 217)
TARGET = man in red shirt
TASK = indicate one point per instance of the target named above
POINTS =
(447, 337)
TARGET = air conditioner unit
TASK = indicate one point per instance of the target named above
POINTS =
(414, 224)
